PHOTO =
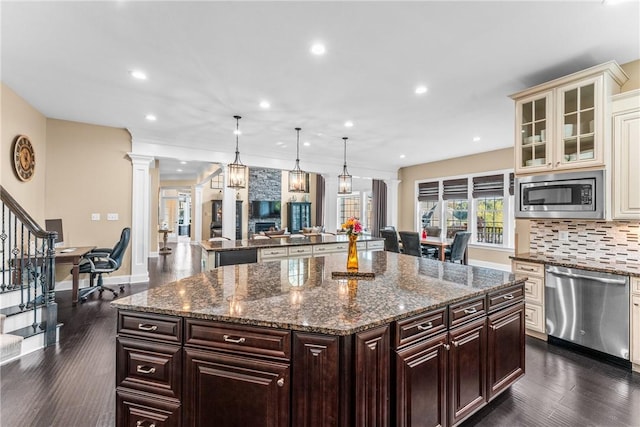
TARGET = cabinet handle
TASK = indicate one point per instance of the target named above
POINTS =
(527, 315)
(145, 369)
(227, 338)
(447, 346)
(273, 253)
(280, 382)
(527, 269)
(299, 250)
(141, 423)
(508, 296)
(636, 304)
(470, 310)
(527, 288)
(426, 326)
(455, 343)
(147, 327)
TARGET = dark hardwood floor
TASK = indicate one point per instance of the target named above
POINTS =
(72, 384)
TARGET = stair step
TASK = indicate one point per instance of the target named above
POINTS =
(15, 309)
(29, 331)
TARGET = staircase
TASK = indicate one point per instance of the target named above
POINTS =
(28, 311)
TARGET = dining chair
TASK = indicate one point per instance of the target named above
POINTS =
(458, 248)
(410, 243)
(391, 243)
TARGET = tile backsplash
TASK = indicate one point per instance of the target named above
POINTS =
(604, 241)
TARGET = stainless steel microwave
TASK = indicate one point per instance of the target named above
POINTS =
(561, 195)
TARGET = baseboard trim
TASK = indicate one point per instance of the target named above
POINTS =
(494, 265)
(67, 285)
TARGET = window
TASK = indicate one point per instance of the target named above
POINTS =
(456, 194)
(481, 204)
(348, 206)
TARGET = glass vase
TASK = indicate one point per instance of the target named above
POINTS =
(352, 255)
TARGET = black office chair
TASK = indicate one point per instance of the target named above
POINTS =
(410, 243)
(458, 247)
(103, 260)
(390, 240)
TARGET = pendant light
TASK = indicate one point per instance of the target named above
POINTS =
(298, 179)
(344, 180)
(237, 171)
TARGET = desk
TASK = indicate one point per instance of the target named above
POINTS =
(437, 243)
(73, 256)
(165, 250)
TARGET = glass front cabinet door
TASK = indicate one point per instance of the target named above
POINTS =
(533, 132)
(579, 136)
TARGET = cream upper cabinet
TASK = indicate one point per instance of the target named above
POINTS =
(565, 123)
(625, 181)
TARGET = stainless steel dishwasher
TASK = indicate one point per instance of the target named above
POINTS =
(588, 308)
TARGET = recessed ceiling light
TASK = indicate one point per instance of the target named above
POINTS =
(476, 138)
(318, 49)
(279, 143)
(151, 117)
(265, 104)
(421, 90)
(348, 124)
(178, 170)
(307, 143)
(137, 74)
(402, 156)
(183, 162)
(237, 132)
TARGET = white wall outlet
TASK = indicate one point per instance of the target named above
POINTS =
(95, 217)
(563, 235)
(112, 217)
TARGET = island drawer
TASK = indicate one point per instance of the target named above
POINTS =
(133, 409)
(467, 310)
(374, 245)
(505, 297)
(528, 268)
(267, 253)
(300, 250)
(238, 339)
(149, 366)
(330, 248)
(412, 329)
(150, 326)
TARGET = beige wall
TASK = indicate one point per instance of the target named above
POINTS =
(20, 118)
(88, 171)
(476, 163)
(633, 71)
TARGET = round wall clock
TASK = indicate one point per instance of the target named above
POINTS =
(24, 159)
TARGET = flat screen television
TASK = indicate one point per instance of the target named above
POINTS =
(265, 209)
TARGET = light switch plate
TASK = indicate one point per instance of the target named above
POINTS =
(95, 217)
(112, 217)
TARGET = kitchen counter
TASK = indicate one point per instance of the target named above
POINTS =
(279, 241)
(282, 343)
(299, 293)
(627, 269)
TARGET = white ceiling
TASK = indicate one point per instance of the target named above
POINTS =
(207, 61)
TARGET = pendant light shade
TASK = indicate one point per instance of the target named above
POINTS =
(237, 171)
(344, 179)
(298, 179)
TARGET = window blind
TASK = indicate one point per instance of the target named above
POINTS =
(455, 189)
(488, 186)
(428, 191)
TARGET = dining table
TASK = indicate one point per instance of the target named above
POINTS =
(441, 245)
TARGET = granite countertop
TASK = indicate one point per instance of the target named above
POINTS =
(626, 269)
(279, 241)
(299, 294)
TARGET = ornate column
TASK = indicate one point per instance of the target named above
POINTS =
(196, 200)
(140, 226)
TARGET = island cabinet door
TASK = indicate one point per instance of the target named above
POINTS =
(371, 376)
(227, 390)
(315, 394)
(467, 369)
(506, 348)
(420, 384)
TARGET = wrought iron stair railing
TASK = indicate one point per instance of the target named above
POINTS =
(28, 266)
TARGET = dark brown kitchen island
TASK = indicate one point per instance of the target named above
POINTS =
(281, 343)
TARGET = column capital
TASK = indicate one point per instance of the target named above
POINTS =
(139, 159)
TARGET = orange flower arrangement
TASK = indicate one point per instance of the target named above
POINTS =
(353, 226)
